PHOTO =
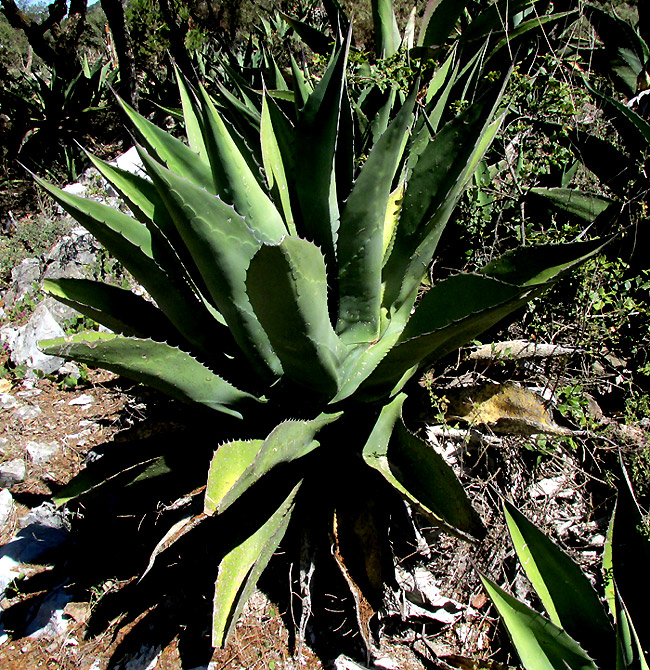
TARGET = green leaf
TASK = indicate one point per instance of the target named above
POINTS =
(316, 140)
(242, 567)
(567, 595)
(387, 37)
(438, 21)
(118, 309)
(236, 466)
(157, 364)
(360, 245)
(132, 244)
(171, 152)
(418, 472)
(541, 645)
(234, 180)
(191, 117)
(317, 41)
(222, 246)
(287, 285)
(437, 182)
(583, 205)
(278, 157)
(531, 266)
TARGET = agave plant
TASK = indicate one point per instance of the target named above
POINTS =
(578, 631)
(284, 280)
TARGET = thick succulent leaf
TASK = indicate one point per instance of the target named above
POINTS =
(303, 88)
(387, 35)
(439, 19)
(633, 120)
(316, 141)
(317, 41)
(418, 472)
(118, 309)
(147, 206)
(157, 364)
(491, 20)
(236, 466)
(171, 152)
(360, 245)
(190, 117)
(437, 182)
(242, 567)
(287, 286)
(567, 595)
(278, 154)
(531, 266)
(578, 203)
(132, 244)
(452, 313)
(235, 182)
(541, 645)
(222, 246)
(630, 654)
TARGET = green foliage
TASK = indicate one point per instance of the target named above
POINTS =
(577, 632)
(284, 247)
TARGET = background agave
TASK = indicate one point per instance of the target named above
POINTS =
(285, 270)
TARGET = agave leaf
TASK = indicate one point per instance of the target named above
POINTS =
(277, 152)
(222, 246)
(437, 182)
(630, 654)
(317, 41)
(387, 35)
(287, 286)
(541, 645)
(241, 568)
(190, 117)
(235, 182)
(438, 21)
(236, 466)
(418, 472)
(316, 136)
(360, 245)
(131, 242)
(303, 88)
(154, 363)
(452, 313)
(532, 266)
(118, 309)
(171, 152)
(567, 595)
(147, 206)
(492, 19)
(583, 205)
(640, 126)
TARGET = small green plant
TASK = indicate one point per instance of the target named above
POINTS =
(578, 632)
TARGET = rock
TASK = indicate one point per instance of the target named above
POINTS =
(46, 515)
(4, 443)
(74, 255)
(25, 279)
(84, 399)
(23, 342)
(49, 620)
(7, 401)
(12, 472)
(41, 452)
(6, 506)
(129, 161)
(28, 412)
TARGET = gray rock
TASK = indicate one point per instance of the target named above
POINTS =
(28, 412)
(4, 443)
(41, 452)
(8, 401)
(25, 279)
(12, 472)
(6, 506)
(23, 342)
(74, 255)
(48, 516)
(49, 620)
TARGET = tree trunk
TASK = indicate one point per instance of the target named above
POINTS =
(124, 49)
(177, 34)
(57, 44)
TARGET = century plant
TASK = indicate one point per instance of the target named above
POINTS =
(283, 286)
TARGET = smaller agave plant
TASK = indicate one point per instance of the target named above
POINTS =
(285, 292)
(578, 631)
